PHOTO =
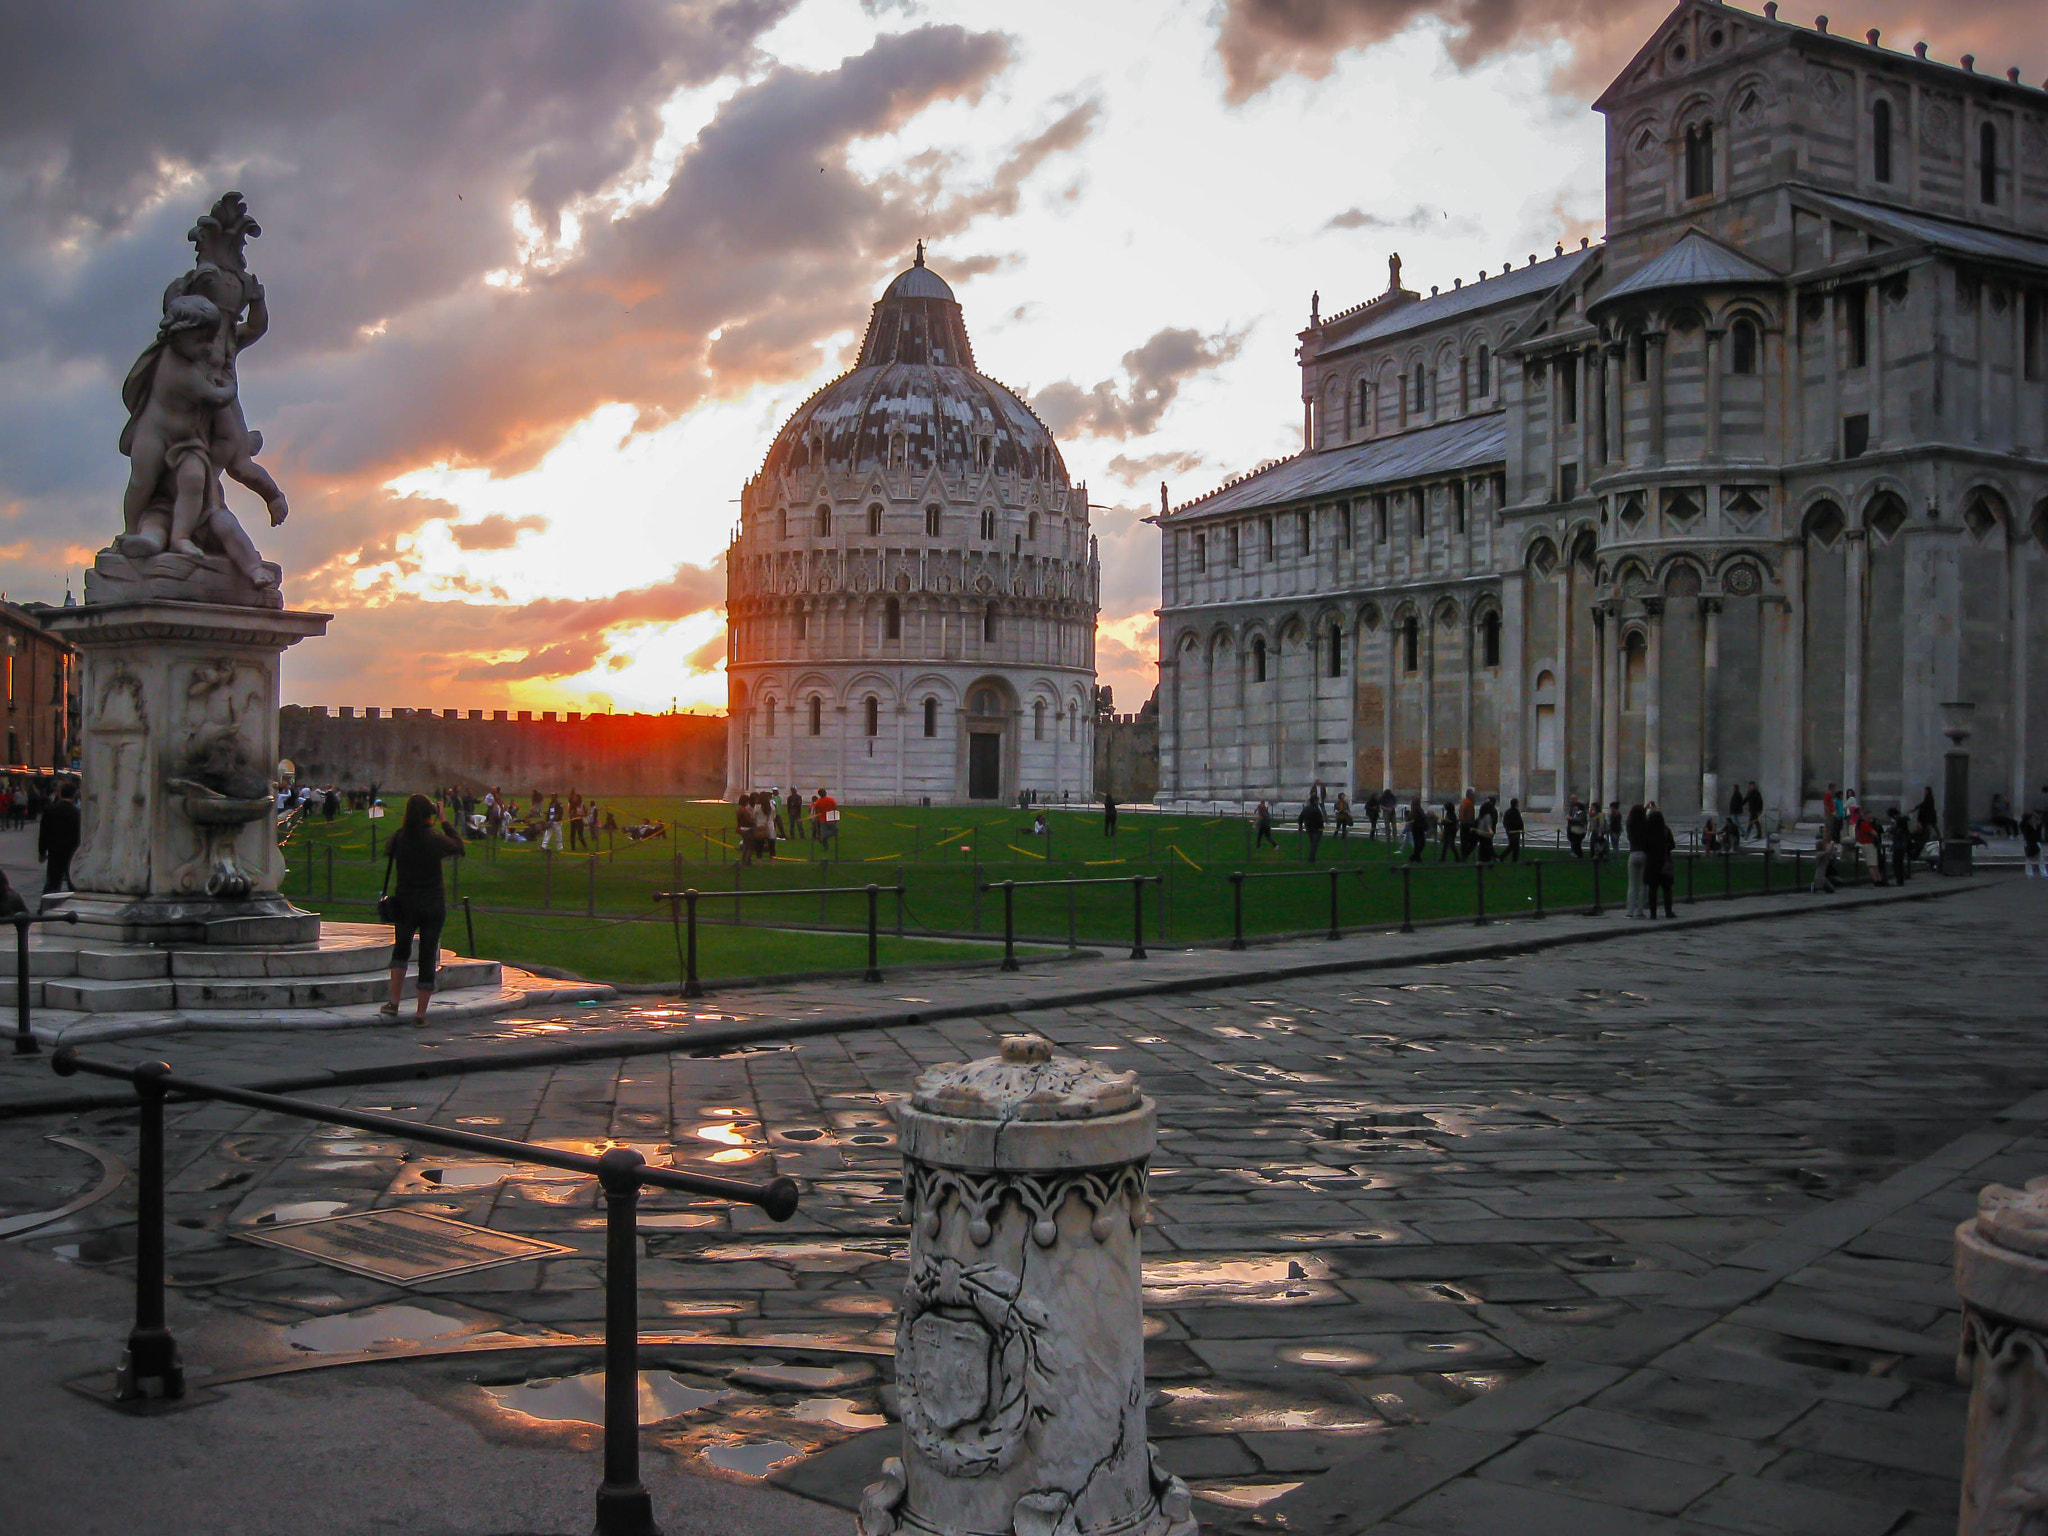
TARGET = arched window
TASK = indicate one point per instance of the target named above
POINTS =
(1038, 720)
(1410, 643)
(824, 519)
(1699, 160)
(1881, 140)
(1482, 371)
(1418, 381)
(1336, 652)
(803, 623)
(768, 713)
(871, 715)
(1987, 164)
(874, 520)
(1742, 347)
(988, 624)
(1259, 659)
(1074, 723)
(1364, 404)
(1489, 640)
(1031, 528)
(892, 620)
(988, 522)
(932, 523)
(931, 717)
(782, 522)
(817, 715)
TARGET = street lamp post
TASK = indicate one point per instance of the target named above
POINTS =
(1955, 790)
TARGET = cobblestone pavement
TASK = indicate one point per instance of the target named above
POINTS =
(1644, 1236)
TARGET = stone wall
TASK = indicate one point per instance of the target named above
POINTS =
(1127, 756)
(418, 748)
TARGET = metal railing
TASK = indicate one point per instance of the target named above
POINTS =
(152, 1370)
(682, 906)
(1238, 877)
(24, 1036)
(1009, 888)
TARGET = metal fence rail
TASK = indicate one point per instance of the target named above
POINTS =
(682, 906)
(151, 1369)
(1009, 888)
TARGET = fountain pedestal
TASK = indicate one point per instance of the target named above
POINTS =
(2002, 1274)
(178, 718)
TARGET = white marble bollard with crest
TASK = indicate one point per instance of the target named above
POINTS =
(2002, 1274)
(1020, 1355)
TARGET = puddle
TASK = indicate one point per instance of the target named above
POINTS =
(1245, 1495)
(468, 1175)
(360, 1148)
(754, 1458)
(676, 1221)
(728, 1135)
(772, 1376)
(580, 1399)
(839, 1413)
(1205, 1405)
(1330, 1356)
(352, 1331)
(1173, 1282)
(300, 1210)
(99, 1247)
(814, 1255)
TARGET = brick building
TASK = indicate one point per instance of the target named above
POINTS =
(37, 684)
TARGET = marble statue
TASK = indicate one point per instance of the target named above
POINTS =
(186, 430)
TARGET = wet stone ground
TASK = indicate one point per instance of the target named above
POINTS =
(1374, 1200)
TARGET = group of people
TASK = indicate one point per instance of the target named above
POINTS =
(544, 820)
(768, 816)
(25, 796)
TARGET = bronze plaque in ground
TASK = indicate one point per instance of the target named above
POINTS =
(401, 1246)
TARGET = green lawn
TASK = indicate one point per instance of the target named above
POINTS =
(570, 909)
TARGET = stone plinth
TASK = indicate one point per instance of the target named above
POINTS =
(2002, 1274)
(178, 717)
(1020, 1360)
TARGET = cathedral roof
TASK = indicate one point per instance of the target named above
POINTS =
(916, 385)
(1472, 442)
(1696, 261)
(1509, 287)
(1924, 229)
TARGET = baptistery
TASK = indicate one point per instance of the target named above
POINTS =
(911, 592)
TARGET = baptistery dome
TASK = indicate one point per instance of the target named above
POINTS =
(912, 588)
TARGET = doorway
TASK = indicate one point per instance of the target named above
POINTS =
(984, 765)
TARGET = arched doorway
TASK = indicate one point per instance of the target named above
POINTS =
(989, 766)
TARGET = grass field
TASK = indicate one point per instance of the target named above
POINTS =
(587, 912)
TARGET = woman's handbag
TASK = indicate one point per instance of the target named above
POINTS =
(387, 905)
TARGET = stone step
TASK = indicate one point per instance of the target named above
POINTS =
(324, 992)
(122, 963)
(330, 957)
(86, 994)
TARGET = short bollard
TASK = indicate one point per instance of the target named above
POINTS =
(150, 1367)
(1236, 911)
(2001, 1269)
(623, 1507)
(24, 1035)
(469, 925)
(1020, 1351)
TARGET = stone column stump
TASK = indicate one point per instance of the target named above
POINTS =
(2002, 1274)
(1020, 1358)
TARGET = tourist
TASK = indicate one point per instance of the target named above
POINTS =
(12, 904)
(1597, 841)
(1823, 863)
(2030, 839)
(1311, 823)
(1343, 817)
(1660, 871)
(1831, 813)
(1418, 830)
(1616, 825)
(1902, 845)
(419, 906)
(1927, 817)
(2001, 817)
(1447, 833)
(1484, 825)
(1736, 801)
(575, 820)
(1372, 816)
(1575, 827)
(1040, 827)
(1753, 806)
(1468, 830)
(551, 827)
(57, 839)
(797, 807)
(1108, 814)
(825, 821)
(1637, 828)
(1867, 844)
(1262, 826)
(1511, 823)
(743, 828)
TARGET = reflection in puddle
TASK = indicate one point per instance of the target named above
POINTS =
(839, 1412)
(468, 1175)
(729, 1135)
(676, 1221)
(1245, 1495)
(753, 1459)
(580, 1399)
(367, 1329)
(301, 1210)
(1336, 1356)
(1226, 1409)
(1175, 1281)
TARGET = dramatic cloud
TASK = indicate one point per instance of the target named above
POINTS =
(494, 532)
(1419, 219)
(1133, 471)
(1261, 41)
(1155, 371)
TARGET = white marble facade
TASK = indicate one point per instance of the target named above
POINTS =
(1744, 492)
(912, 587)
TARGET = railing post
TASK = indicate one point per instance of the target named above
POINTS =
(1536, 865)
(590, 890)
(1009, 925)
(547, 879)
(330, 871)
(1407, 909)
(1479, 894)
(1138, 918)
(899, 904)
(1333, 933)
(24, 1036)
(1727, 874)
(1798, 870)
(469, 926)
(1237, 910)
(1692, 861)
(1071, 944)
(692, 987)
(874, 970)
(1597, 862)
(623, 1507)
(150, 1367)
(1767, 868)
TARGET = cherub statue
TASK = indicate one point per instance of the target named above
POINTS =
(185, 423)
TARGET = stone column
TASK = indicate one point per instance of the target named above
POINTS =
(1855, 596)
(1596, 716)
(1710, 705)
(2017, 621)
(1020, 1354)
(178, 717)
(1584, 366)
(1713, 361)
(1393, 647)
(1616, 446)
(1790, 791)
(1465, 689)
(1427, 623)
(2002, 1275)
(1653, 699)
(1610, 720)
(1653, 344)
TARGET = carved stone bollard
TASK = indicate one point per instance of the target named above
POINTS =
(2002, 1274)
(1020, 1358)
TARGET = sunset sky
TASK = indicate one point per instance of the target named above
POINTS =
(545, 277)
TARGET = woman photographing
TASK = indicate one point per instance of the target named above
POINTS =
(418, 905)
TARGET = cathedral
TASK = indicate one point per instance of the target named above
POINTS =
(911, 593)
(1749, 491)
